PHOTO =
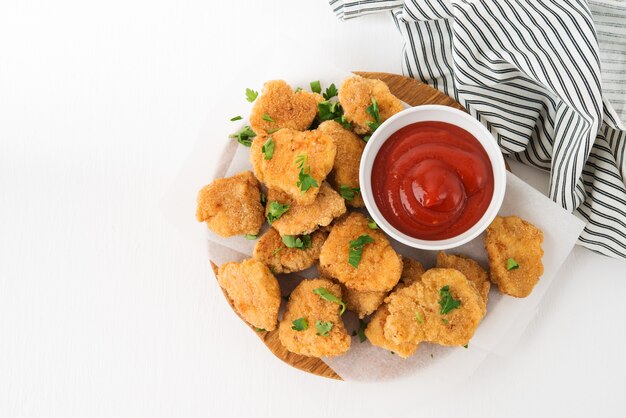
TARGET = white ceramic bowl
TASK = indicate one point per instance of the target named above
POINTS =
(439, 114)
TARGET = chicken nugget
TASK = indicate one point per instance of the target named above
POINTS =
(231, 206)
(376, 335)
(298, 164)
(355, 96)
(470, 268)
(272, 251)
(514, 249)
(412, 271)
(345, 175)
(304, 219)
(280, 107)
(312, 325)
(351, 242)
(253, 290)
(444, 307)
(362, 303)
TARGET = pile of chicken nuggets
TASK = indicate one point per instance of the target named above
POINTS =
(305, 187)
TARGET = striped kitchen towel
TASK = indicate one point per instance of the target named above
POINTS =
(547, 77)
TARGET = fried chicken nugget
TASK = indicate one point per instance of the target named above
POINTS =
(279, 107)
(415, 311)
(346, 169)
(512, 238)
(253, 290)
(304, 219)
(296, 155)
(470, 268)
(362, 303)
(412, 271)
(272, 251)
(380, 266)
(311, 309)
(355, 96)
(376, 335)
(231, 206)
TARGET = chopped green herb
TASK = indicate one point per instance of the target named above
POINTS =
(305, 181)
(466, 345)
(348, 192)
(361, 332)
(293, 241)
(373, 111)
(298, 89)
(277, 250)
(259, 329)
(263, 199)
(332, 111)
(267, 118)
(444, 320)
(323, 327)
(271, 131)
(251, 95)
(275, 211)
(356, 249)
(392, 352)
(316, 86)
(244, 136)
(250, 236)
(511, 264)
(367, 138)
(235, 118)
(419, 318)
(446, 301)
(300, 324)
(371, 224)
(268, 148)
(331, 91)
(327, 295)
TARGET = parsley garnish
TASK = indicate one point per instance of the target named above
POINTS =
(305, 181)
(348, 192)
(323, 327)
(259, 329)
(361, 332)
(275, 211)
(298, 89)
(367, 138)
(332, 111)
(372, 110)
(267, 118)
(371, 224)
(419, 318)
(251, 95)
(316, 87)
(356, 249)
(250, 236)
(277, 250)
(271, 131)
(331, 91)
(292, 241)
(263, 198)
(235, 118)
(466, 345)
(511, 264)
(444, 320)
(244, 136)
(268, 148)
(446, 301)
(300, 324)
(327, 295)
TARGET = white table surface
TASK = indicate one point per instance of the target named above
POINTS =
(106, 311)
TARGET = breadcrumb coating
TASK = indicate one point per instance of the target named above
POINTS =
(362, 303)
(376, 335)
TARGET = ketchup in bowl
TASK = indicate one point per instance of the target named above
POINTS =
(432, 180)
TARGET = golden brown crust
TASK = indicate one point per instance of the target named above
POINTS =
(231, 206)
(281, 172)
(286, 108)
(376, 335)
(253, 290)
(303, 303)
(355, 96)
(349, 150)
(271, 251)
(470, 268)
(380, 266)
(412, 271)
(513, 237)
(362, 303)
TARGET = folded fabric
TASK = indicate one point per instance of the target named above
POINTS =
(547, 78)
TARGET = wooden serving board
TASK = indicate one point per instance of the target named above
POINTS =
(414, 93)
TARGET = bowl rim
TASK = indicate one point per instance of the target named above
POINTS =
(455, 117)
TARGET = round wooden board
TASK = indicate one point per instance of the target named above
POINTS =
(414, 93)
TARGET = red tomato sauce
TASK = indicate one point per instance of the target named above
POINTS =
(432, 180)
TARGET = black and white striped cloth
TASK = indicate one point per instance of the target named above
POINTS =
(547, 77)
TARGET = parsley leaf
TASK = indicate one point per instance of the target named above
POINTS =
(300, 324)
(356, 249)
(292, 241)
(327, 295)
(373, 111)
(271, 131)
(367, 138)
(259, 329)
(268, 148)
(323, 327)
(446, 301)
(251, 95)
(511, 264)
(371, 224)
(466, 345)
(361, 331)
(298, 89)
(244, 136)
(275, 211)
(348, 192)
(305, 181)
(277, 250)
(267, 117)
(250, 236)
(235, 118)
(331, 91)
(316, 86)
(332, 111)
(419, 318)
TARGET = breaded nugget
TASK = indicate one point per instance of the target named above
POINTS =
(412, 271)
(362, 303)
(309, 153)
(470, 268)
(271, 251)
(346, 169)
(355, 96)
(303, 303)
(304, 219)
(279, 107)
(380, 266)
(415, 311)
(253, 290)
(512, 238)
(231, 206)
(376, 335)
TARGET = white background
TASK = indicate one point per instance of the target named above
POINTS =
(106, 311)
